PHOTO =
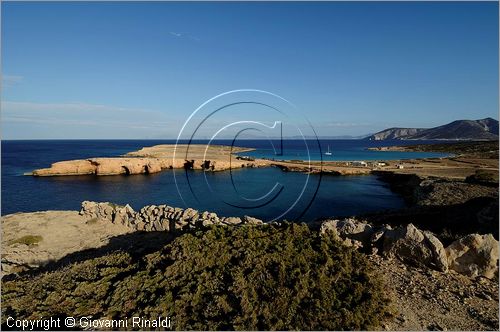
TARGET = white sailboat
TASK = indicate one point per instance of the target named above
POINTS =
(328, 152)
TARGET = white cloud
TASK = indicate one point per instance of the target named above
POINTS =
(175, 34)
(183, 35)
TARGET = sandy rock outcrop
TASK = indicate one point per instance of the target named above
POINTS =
(351, 231)
(155, 159)
(408, 243)
(70, 167)
(158, 217)
(474, 255)
(129, 166)
(57, 233)
(105, 166)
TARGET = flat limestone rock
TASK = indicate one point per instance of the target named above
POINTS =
(33, 239)
(153, 160)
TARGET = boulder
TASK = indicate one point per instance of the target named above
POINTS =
(252, 220)
(378, 235)
(190, 215)
(358, 232)
(124, 215)
(140, 226)
(474, 255)
(205, 222)
(161, 225)
(411, 245)
(104, 211)
(329, 226)
(89, 209)
(231, 220)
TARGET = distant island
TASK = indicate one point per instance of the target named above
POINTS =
(484, 129)
(467, 130)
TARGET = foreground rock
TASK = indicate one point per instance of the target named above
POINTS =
(473, 255)
(410, 244)
(30, 240)
(158, 217)
(353, 232)
(424, 299)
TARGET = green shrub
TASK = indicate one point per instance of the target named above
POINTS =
(242, 278)
(29, 240)
(483, 177)
(92, 221)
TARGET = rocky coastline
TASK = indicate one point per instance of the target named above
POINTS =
(153, 160)
(473, 255)
(438, 256)
(468, 158)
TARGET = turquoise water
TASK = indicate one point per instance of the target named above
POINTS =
(342, 155)
(342, 150)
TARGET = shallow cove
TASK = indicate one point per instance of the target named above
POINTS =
(335, 195)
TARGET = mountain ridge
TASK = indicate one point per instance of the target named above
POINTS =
(482, 129)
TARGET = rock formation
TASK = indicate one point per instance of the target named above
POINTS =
(128, 166)
(158, 217)
(473, 255)
(106, 166)
(351, 231)
(417, 247)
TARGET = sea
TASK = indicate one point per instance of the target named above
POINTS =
(265, 193)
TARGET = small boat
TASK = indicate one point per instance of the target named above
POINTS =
(328, 152)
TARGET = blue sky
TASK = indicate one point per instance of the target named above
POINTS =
(138, 70)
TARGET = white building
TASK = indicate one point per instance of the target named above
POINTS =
(359, 163)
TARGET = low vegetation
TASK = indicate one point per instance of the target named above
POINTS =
(28, 240)
(484, 149)
(92, 221)
(242, 278)
(483, 177)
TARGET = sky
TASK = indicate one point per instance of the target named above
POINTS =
(139, 70)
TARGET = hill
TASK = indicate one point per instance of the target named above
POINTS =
(484, 129)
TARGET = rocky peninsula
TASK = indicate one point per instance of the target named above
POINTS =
(154, 159)
(467, 159)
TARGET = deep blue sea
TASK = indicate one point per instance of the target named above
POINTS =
(267, 193)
